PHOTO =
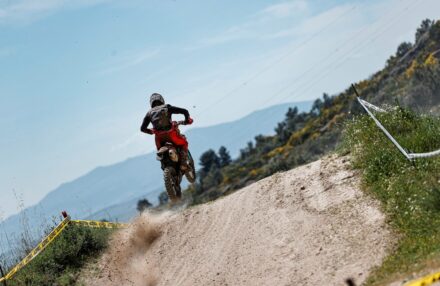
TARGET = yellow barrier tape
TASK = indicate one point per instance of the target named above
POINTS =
(425, 281)
(98, 224)
(40, 247)
(54, 234)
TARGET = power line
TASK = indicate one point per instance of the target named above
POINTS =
(269, 66)
(329, 68)
(347, 54)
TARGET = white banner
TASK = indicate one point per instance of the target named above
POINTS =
(409, 156)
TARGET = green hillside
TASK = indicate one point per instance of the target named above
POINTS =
(411, 78)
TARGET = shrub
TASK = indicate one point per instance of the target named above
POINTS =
(60, 262)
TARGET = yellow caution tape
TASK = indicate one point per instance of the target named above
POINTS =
(98, 224)
(54, 234)
(425, 281)
(40, 247)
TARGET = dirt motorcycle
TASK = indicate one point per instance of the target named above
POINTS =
(170, 159)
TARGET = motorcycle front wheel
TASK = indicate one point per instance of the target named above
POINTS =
(190, 174)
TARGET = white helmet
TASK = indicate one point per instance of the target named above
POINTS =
(156, 97)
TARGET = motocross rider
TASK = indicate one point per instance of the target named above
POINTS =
(160, 116)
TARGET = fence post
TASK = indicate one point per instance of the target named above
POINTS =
(3, 275)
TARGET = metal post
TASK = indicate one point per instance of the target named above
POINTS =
(3, 275)
(355, 90)
(64, 214)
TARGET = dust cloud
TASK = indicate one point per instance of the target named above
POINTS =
(125, 263)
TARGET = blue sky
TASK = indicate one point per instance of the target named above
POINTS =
(75, 76)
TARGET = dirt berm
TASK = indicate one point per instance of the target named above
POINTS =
(308, 226)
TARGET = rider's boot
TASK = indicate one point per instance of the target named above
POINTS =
(184, 165)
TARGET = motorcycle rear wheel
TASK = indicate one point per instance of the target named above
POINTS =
(171, 185)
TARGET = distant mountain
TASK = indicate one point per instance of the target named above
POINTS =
(124, 211)
(234, 135)
(102, 190)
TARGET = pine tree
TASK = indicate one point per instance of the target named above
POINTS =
(403, 49)
(424, 28)
(225, 157)
(208, 160)
(142, 205)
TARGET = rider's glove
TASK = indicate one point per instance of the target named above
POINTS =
(189, 121)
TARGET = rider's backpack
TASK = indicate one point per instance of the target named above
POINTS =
(160, 117)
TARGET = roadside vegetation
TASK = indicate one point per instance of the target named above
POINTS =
(409, 191)
(60, 263)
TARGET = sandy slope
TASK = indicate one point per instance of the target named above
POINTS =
(307, 226)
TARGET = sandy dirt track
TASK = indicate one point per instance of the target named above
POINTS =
(308, 226)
